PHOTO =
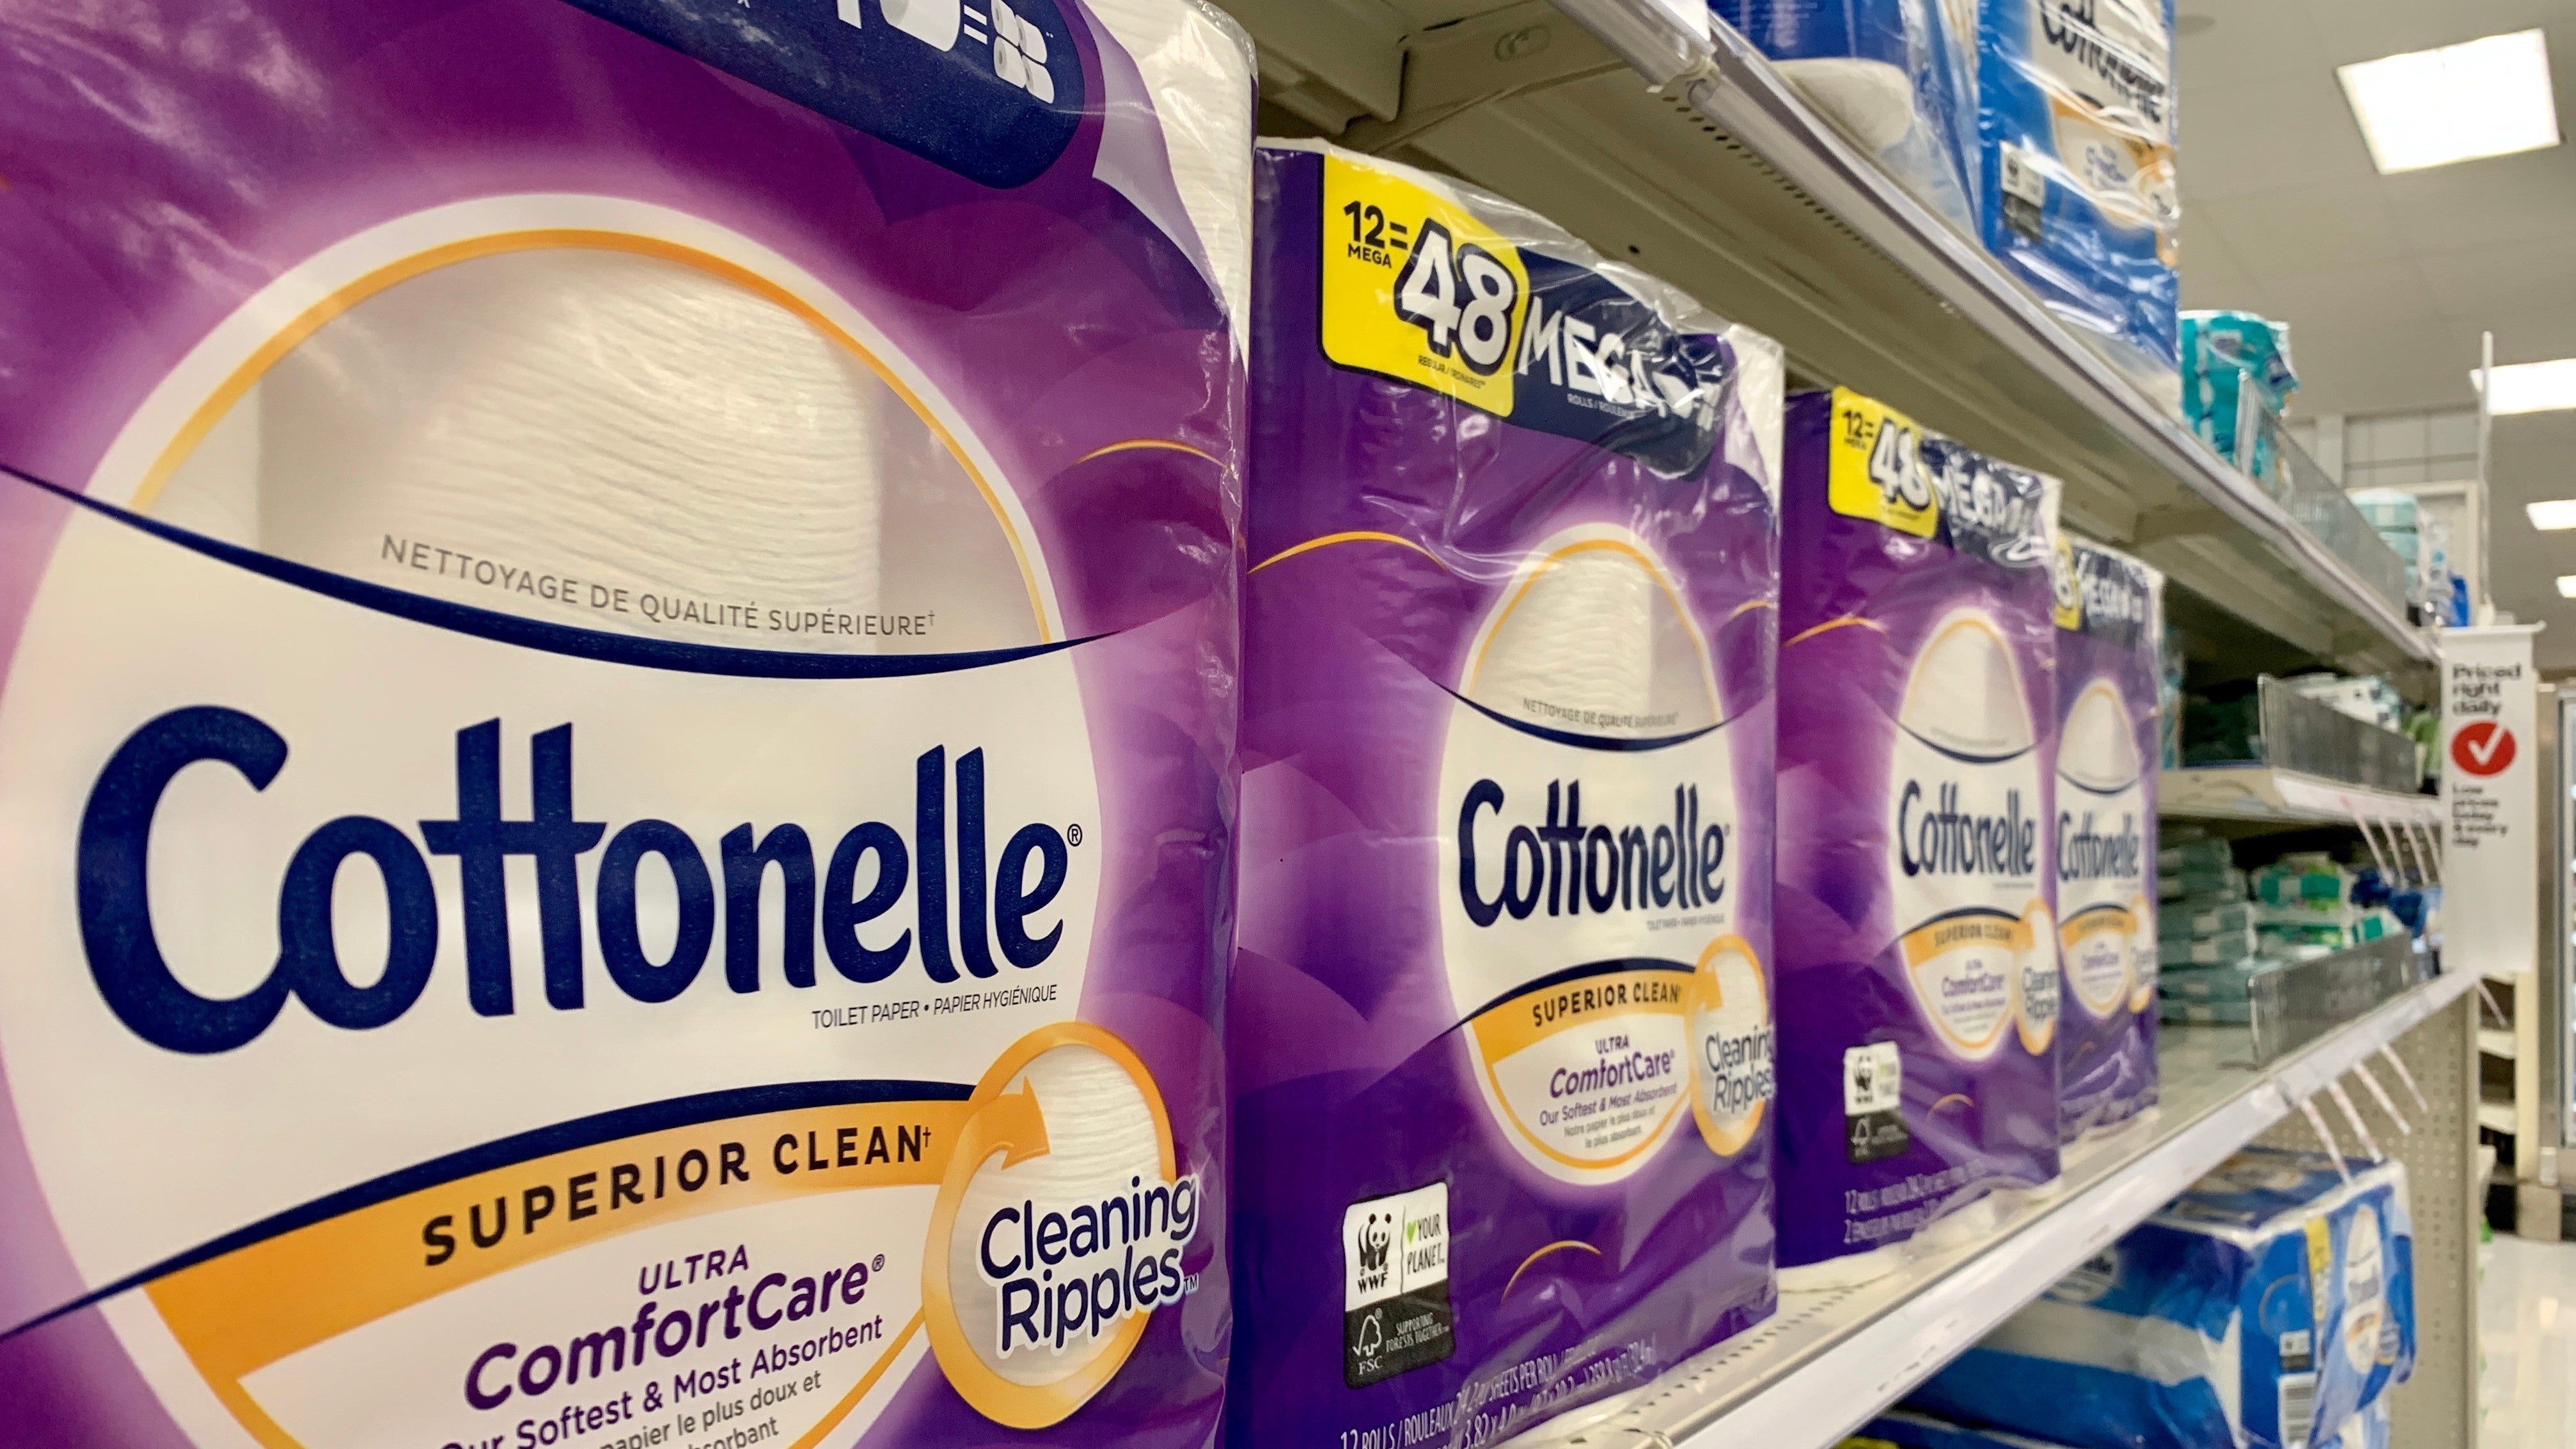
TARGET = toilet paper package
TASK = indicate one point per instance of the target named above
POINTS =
(1918, 942)
(1900, 1429)
(2110, 623)
(1501, 1022)
(617, 692)
(2272, 1303)
(1898, 76)
(2078, 199)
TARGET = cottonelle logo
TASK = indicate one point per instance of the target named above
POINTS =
(1590, 865)
(2102, 850)
(998, 916)
(1964, 844)
(457, 971)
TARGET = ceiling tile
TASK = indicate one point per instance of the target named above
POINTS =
(2530, 197)
(2525, 334)
(2210, 276)
(2351, 30)
(2288, 130)
(2252, 40)
(2366, 365)
(2487, 282)
(2342, 224)
(2381, 292)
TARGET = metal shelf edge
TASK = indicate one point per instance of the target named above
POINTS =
(1815, 1402)
(2259, 793)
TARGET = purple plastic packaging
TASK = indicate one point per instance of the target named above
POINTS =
(2110, 618)
(1502, 1082)
(1915, 909)
(618, 661)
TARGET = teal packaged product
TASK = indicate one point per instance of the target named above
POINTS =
(2303, 880)
(2180, 922)
(2202, 855)
(2076, 118)
(2222, 731)
(2211, 887)
(2320, 932)
(2216, 950)
(2194, 1013)
(2372, 699)
(2235, 366)
(2386, 509)
(2270, 1306)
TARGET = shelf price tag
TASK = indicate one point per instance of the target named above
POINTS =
(1417, 289)
(1876, 467)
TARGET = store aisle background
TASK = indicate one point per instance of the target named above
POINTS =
(2387, 281)
(2527, 1332)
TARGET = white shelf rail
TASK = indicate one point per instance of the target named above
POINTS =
(1827, 1362)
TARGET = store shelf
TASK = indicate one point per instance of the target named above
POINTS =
(1726, 183)
(2495, 1043)
(2285, 798)
(2496, 1117)
(1828, 1361)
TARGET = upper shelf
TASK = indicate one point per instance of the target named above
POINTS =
(2286, 798)
(1725, 182)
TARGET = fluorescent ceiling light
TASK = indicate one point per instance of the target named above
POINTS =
(2567, 586)
(2552, 515)
(2424, 108)
(2531, 387)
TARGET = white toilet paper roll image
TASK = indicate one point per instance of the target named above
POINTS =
(1965, 693)
(617, 439)
(220, 493)
(1059, 1226)
(2098, 748)
(1593, 640)
(1870, 99)
(1197, 71)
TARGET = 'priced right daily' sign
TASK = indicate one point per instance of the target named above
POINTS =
(2491, 865)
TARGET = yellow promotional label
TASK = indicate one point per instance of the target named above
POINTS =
(2143, 962)
(2067, 589)
(2096, 946)
(2101, 921)
(1966, 970)
(1732, 1034)
(1874, 467)
(1417, 289)
(1591, 1071)
(347, 1271)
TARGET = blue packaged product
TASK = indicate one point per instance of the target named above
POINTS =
(1900, 1429)
(2274, 1296)
(2076, 166)
(1899, 76)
